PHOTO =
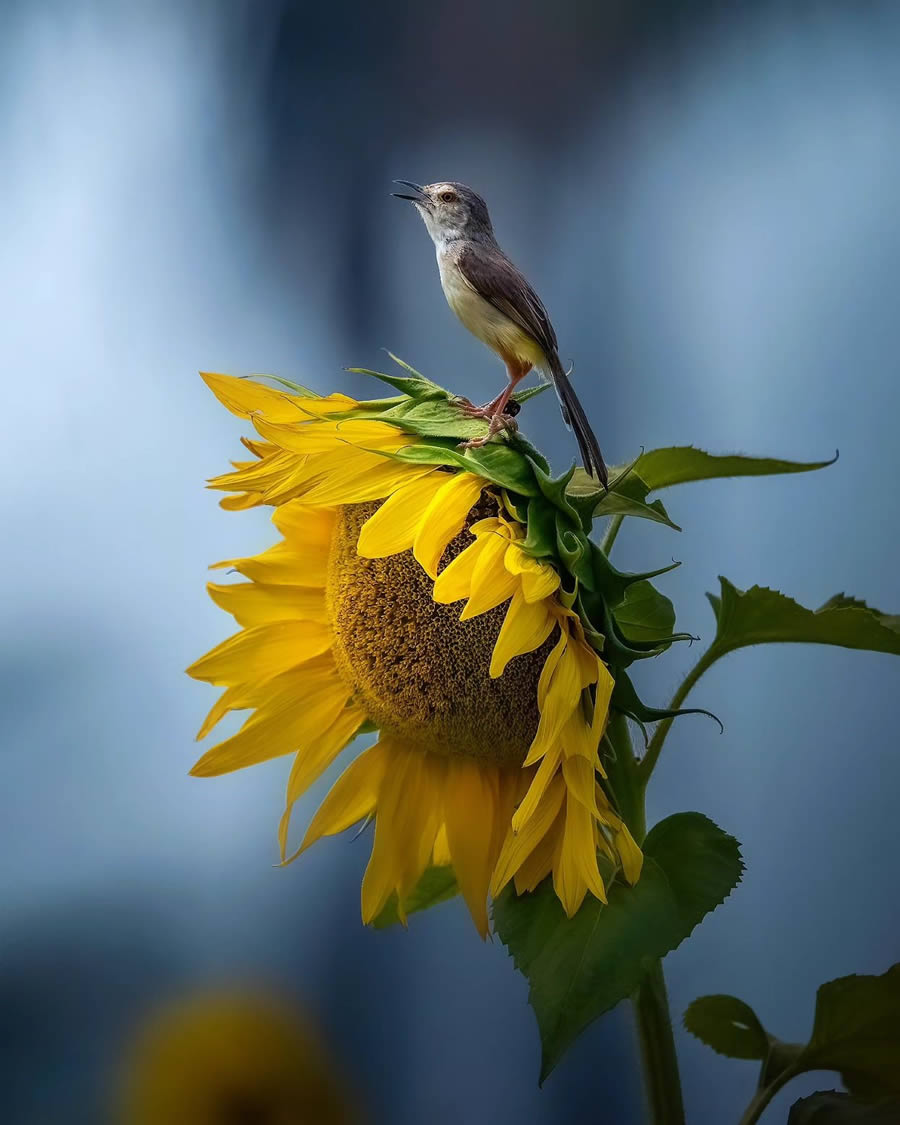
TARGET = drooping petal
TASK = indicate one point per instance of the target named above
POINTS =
(393, 527)
(314, 759)
(525, 628)
(519, 845)
(531, 801)
(539, 580)
(352, 797)
(291, 716)
(455, 580)
(575, 870)
(244, 397)
(444, 518)
(491, 584)
(469, 810)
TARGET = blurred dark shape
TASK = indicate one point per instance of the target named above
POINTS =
(231, 1055)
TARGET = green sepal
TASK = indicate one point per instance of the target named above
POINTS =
(295, 388)
(437, 884)
(613, 583)
(496, 462)
(531, 392)
(626, 700)
(629, 498)
(554, 490)
(580, 967)
(540, 538)
(416, 386)
(516, 505)
(574, 549)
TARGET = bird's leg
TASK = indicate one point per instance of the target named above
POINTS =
(496, 412)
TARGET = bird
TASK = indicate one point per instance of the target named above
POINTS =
(494, 301)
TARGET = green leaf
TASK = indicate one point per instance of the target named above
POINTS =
(628, 498)
(729, 1026)
(531, 392)
(436, 885)
(857, 1031)
(831, 1108)
(645, 614)
(580, 967)
(681, 464)
(763, 616)
(435, 417)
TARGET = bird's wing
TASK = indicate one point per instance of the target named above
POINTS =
(492, 275)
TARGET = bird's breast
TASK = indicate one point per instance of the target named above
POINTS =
(483, 319)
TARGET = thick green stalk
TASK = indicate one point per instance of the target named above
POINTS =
(651, 1005)
(662, 1082)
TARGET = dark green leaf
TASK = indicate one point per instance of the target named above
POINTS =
(763, 616)
(578, 968)
(645, 614)
(728, 1025)
(416, 386)
(857, 1031)
(680, 464)
(435, 417)
(832, 1108)
(436, 885)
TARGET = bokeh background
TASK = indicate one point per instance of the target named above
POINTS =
(705, 194)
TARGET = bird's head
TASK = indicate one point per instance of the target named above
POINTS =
(450, 211)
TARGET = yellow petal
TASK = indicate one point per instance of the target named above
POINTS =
(235, 699)
(306, 437)
(444, 518)
(348, 476)
(581, 779)
(292, 716)
(392, 528)
(262, 652)
(469, 809)
(440, 855)
(519, 845)
(547, 770)
(281, 564)
(539, 580)
(492, 584)
(575, 870)
(525, 628)
(244, 396)
(383, 872)
(631, 855)
(563, 696)
(455, 580)
(537, 866)
(353, 796)
(254, 603)
(313, 759)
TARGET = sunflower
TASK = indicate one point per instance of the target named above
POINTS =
(226, 1057)
(402, 595)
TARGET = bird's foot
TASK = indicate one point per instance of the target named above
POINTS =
(489, 410)
(497, 423)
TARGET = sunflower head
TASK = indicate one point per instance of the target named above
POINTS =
(229, 1058)
(450, 599)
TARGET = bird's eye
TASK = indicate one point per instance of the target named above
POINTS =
(448, 196)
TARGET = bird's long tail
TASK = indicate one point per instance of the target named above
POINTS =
(574, 416)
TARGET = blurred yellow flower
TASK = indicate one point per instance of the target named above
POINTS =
(489, 718)
(229, 1058)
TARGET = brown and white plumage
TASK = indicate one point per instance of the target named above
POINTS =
(495, 302)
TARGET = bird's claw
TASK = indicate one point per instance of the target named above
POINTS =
(497, 423)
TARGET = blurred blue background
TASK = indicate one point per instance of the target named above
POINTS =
(705, 194)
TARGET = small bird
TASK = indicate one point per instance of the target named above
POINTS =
(495, 302)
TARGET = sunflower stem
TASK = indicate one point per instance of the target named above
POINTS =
(654, 1025)
(648, 763)
(624, 774)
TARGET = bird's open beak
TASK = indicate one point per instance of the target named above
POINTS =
(421, 197)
